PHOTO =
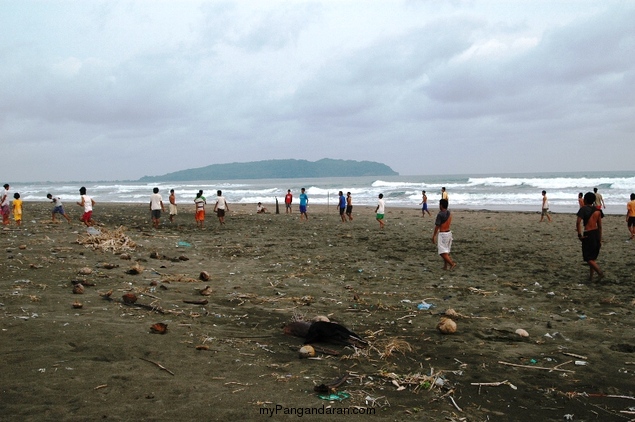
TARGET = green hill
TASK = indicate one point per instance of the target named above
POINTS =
(278, 169)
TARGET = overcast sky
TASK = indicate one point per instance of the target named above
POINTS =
(114, 90)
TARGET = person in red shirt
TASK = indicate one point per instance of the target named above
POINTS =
(288, 199)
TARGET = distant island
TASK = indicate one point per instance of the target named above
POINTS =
(278, 169)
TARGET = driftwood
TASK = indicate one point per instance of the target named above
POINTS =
(159, 366)
(196, 302)
(555, 368)
(494, 384)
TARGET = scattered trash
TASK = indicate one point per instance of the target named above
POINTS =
(423, 306)
(184, 244)
(92, 231)
(581, 362)
(339, 396)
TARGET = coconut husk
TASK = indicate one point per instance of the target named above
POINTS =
(159, 328)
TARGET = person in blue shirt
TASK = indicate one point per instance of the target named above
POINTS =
(342, 206)
(304, 203)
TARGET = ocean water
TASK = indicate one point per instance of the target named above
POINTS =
(505, 192)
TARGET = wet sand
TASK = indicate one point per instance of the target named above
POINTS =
(230, 359)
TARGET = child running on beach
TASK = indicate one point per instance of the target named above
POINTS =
(199, 213)
(443, 234)
(58, 208)
(88, 203)
(590, 220)
(17, 209)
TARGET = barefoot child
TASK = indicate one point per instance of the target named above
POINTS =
(424, 204)
(380, 210)
(17, 209)
(88, 203)
(156, 207)
(444, 235)
(58, 208)
(172, 206)
(590, 219)
(5, 210)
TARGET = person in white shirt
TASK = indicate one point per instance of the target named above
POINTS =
(156, 206)
(58, 208)
(380, 211)
(221, 207)
(88, 203)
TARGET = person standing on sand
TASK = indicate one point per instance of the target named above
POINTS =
(424, 204)
(172, 206)
(199, 210)
(590, 220)
(341, 204)
(58, 208)
(580, 200)
(220, 207)
(349, 206)
(599, 200)
(444, 194)
(288, 199)
(630, 216)
(545, 207)
(442, 235)
(380, 210)
(17, 209)
(156, 206)
(4, 204)
(88, 203)
(304, 204)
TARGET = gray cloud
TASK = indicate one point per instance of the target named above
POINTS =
(120, 90)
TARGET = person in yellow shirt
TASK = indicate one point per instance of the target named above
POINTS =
(17, 209)
(630, 216)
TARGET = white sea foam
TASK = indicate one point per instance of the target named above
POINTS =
(493, 192)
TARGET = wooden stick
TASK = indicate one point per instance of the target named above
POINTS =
(490, 384)
(561, 364)
(455, 405)
(403, 317)
(535, 367)
(158, 365)
(612, 396)
(575, 356)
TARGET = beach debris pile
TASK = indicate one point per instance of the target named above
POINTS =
(114, 241)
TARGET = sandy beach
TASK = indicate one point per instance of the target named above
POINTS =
(225, 355)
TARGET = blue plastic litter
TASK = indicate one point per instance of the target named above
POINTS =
(339, 396)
